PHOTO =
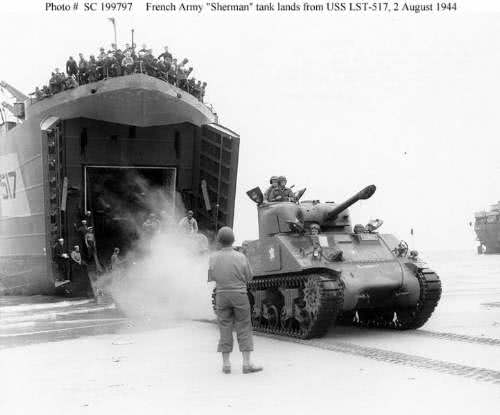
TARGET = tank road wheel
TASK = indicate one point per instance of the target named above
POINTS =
(296, 305)
(272, 316)
(322, 301)
(430, 293)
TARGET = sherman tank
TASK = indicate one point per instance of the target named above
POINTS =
(312, 270)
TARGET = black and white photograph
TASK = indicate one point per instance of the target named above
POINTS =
(249, 207)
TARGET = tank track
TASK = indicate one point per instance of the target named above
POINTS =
(296, 305)
(410, 318)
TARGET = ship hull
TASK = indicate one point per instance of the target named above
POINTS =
(71, 143)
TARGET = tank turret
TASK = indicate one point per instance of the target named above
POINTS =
(282, 217)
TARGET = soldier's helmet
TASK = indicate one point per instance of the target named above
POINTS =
(282, 179)
(315, 228)
(225, 236)
(273, 179)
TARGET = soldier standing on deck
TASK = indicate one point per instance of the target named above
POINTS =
(82, 70)
(71, 67)
(231, 272)
(92, 69)
(128, 63)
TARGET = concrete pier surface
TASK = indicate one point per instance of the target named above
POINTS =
(62, 356)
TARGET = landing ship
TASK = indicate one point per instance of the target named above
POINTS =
(487, 227)
(77, 150)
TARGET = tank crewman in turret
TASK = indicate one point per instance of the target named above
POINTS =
(61, 258)
(71, 67)
(82, 70)
(286, 192)
(188, 223)
(273, 181)
(231, 272)
(280, 193)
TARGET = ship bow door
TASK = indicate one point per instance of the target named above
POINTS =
(214, 177)
(55, 183)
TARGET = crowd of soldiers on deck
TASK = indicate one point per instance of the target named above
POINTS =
(116, 62)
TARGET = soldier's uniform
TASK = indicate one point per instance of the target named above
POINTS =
(274, 185)
(128, 64)
(61, 258)
(82, 70)
(92, 69)
(71, 67)
(231, 272)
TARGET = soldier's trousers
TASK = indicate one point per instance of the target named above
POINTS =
(233, 310)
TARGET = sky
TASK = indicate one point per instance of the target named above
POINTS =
(335, 102)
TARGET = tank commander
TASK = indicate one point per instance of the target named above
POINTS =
(273, 181)
(231, 272)
(188, 223)
(61, 259)
(71, 67)
(286, 192)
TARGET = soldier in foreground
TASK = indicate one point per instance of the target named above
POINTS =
(231, 272)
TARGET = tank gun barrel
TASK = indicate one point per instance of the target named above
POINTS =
(366, 193)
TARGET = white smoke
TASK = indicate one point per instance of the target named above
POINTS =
(165, 275)
(169, 281)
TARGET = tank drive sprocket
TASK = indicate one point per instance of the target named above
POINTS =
(300, 305)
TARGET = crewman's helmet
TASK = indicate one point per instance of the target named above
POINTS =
(190, 213)
(225, 236)
(273, 179)
(282, 180)
(315, 228)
